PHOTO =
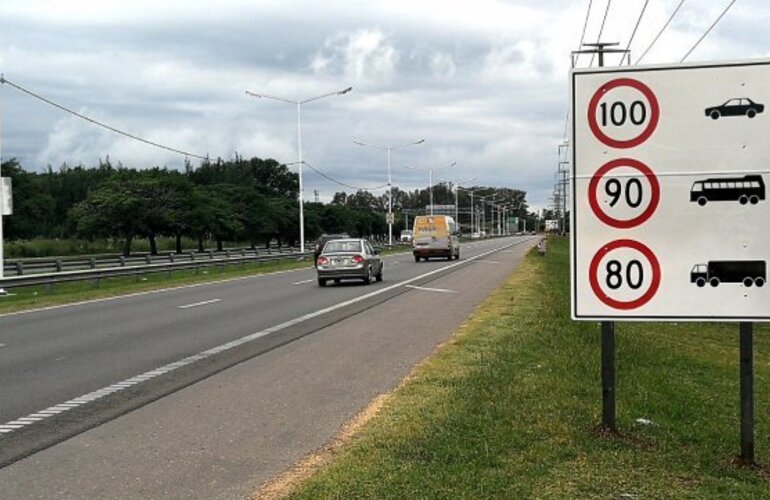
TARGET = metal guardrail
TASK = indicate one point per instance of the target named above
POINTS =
(192, 261)
(19, 267)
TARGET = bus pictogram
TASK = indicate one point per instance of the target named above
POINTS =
(746, 189)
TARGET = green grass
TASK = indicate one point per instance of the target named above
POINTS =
(510, 409)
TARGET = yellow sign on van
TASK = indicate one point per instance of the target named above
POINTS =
(435, 226)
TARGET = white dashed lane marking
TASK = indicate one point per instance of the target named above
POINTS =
(426, 289)
(487, 261)
(303, 282)
(205, 302)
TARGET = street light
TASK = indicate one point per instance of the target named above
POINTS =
(299, 149)
(430, 178)
(457, 202)
(389, 148)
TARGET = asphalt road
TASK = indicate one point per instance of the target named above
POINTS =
(60, 355)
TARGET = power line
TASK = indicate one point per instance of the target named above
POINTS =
(601, 30)
(332, 179)
(661, 31)
(4, 80)
(707, 31)
(583, 36)
(633, 33)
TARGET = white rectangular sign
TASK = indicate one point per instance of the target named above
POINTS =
(6, 195)
(671, 166)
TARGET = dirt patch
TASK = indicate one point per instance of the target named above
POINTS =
(282, 485)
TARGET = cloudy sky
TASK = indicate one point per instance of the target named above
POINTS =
(484, 82)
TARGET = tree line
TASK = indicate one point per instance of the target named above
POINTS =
(247, 200)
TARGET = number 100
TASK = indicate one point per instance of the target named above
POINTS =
(618, 113)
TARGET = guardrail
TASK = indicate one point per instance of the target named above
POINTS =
(19, 267)
(193, 261)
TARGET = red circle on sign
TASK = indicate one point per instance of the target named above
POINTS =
(593, 274)
(593, 195)
(646, 133)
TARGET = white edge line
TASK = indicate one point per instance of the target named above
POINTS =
(119, 386)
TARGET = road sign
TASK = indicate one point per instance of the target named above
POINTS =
(389, 218)
(670, 214)
(6, 194)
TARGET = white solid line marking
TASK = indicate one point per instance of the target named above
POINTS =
(205, 302)
(426, 289)
(487, 261)
(303, 282)
(119, 386)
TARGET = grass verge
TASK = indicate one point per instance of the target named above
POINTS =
(509, 409)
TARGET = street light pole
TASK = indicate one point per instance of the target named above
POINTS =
(389, 148)
(299, 149)
(430, 179)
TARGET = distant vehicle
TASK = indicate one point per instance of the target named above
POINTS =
(406, 236)
(321, 241)
(740, 106)
(348, 259)
(435, 236)
(476, 235)
(748, 272)
(746, 189)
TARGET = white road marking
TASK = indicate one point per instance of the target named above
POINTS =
(19, 423)
(426, 289)
(2, 345)
(303, 282)
(487, 261)
(205, 302)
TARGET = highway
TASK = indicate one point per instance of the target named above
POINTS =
(68, 369)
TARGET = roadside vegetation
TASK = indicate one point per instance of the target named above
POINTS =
(72, 210)
(510, 407)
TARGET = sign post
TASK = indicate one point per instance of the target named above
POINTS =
(669, 175)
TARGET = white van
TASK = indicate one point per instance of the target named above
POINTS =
(435, 236)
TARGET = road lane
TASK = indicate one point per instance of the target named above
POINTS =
(67, 352)
(221, 437)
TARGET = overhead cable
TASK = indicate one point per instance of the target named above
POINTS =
(4, 80)
(327, 177)
(708, 31)
(633, 34)
(601, 30)
(660, 32)
(583, 36)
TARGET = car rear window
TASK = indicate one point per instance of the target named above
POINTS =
(342, 246)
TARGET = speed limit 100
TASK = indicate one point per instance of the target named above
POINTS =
(624, 274)
(623, 113)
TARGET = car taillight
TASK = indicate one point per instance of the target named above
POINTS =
(322, 261)
(358, 259)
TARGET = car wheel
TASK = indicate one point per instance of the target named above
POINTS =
(702, 201)
(417, 258)
(759, 282)
(701, 282)
(747, 282)
(714, 282)
(321, 282)
(751, 113)
(368, 278)
(743, 199)
(378, 276)
(714, 115)
(754, 199)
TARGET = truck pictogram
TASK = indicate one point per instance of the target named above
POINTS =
(748, 272)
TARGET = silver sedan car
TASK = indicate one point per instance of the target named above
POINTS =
(348, 259)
